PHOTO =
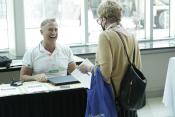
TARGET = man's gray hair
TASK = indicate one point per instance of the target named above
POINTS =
(46, 21)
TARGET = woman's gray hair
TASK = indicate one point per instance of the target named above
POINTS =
(111, 10)
(46, 21)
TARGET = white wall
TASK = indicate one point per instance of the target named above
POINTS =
(155, 66)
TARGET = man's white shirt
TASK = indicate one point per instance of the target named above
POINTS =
(42, 61)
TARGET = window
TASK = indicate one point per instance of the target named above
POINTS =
(67, 12)
(160, 19)
(153, 24)
(3, 25)
(148, 20)
(133, 16)
(159, 23)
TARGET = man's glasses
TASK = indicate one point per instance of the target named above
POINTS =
(99, 20)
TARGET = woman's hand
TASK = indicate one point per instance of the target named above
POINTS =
(85, 68)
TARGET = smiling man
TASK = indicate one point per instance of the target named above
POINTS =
(48, 59)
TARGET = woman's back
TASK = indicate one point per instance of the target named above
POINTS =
(111, 55)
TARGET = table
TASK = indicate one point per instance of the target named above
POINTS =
(56, 102)
(169, 91)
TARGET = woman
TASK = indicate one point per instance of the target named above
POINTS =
(110, 55)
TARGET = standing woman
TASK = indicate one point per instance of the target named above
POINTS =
(110, 55)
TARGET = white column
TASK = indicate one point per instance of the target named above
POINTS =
(149, 19)
(172, 18)
(16, 28)
(84, 20)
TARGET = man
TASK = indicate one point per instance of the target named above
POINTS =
(48, 58)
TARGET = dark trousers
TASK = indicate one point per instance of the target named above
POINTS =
(125, 113)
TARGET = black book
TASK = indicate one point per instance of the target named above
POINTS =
(63, 80)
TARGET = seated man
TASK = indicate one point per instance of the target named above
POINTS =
(48, 58)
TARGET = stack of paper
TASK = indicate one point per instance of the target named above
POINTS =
(84, 78)
(7, 90)
(35, 87)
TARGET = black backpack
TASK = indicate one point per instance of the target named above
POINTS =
(5, 61)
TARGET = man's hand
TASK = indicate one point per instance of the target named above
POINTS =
(40, 77)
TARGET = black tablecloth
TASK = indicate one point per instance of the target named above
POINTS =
(65, 103)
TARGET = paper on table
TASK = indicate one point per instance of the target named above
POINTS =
(85, 79)
(36, 87)
(16, 63)
(6, 90)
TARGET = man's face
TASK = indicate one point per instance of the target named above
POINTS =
(50, 31)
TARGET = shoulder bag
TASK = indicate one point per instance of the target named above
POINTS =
(132, 87)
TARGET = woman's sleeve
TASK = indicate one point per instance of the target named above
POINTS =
(105, 56)
(138, 61)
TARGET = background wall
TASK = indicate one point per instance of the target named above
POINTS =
(155, 64)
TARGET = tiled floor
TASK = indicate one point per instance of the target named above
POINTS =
(154, 108)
